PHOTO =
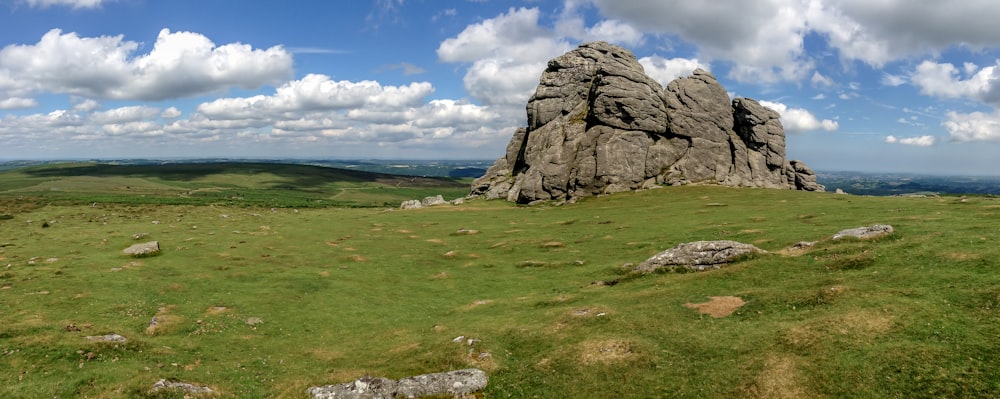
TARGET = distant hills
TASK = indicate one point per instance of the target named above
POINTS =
(858, 183)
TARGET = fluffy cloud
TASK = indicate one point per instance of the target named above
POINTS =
(665, 70)
(796, 120)
(974, 126)
(948, 81)
(181, 64)
(507, 54)
(919, 141)
(766, 38)
(18, 103)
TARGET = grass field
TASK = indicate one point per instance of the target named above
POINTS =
(262, 303)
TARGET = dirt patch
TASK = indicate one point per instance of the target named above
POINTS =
(717, 306)
(854, 325)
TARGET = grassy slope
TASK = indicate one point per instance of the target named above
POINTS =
(347, 292)
(245, 184)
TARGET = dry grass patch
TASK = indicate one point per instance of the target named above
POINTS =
(606, 351)
(780, 379)
(961, 256)
(717, 306)
(164, 321)
(856, 325)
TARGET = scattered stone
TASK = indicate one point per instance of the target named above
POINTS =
(597, 124)
(840, 191)
(411, 204)
(434, 200)
(458, 201)
(253, 321)
(801, 246)
(698, 256)
(464, 231)
(107, 338)
(181, 386)
(456, 383)
(865, 232)
(143, 249)
(139, 236)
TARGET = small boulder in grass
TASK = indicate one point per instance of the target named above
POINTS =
(187, 388)
(865, 232)
(144, 249)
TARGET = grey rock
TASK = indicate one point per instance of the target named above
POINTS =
(865, 232)
(107, 338)
(456, 383)
(697, 256)
(434, 200)
(598, 124)
(411, 204)
(143, 249)
(181, 386)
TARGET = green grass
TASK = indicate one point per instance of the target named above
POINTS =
(345, 292)
(228, 184)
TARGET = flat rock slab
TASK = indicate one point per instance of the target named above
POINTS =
(865, 232)
(107, 338)
(698, 256)
(143, 249)
(181, 386)
(455, 383)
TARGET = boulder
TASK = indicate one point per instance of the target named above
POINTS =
(456, 383)
(697, 256)
(434, 200)
(411, 204)
(598, 124)
(187, 388)
(865, 232)
(107, 338)
(143, 249)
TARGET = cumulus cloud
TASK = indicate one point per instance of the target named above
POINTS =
(973, 126)
(796, 120)
(948, 81)
(919, 141)
(18, 103)
(766, 38)
(665, 70)
(181, 64)
(507, 54)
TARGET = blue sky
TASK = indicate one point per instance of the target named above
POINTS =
(862, 85)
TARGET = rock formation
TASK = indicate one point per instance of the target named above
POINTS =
(598, 124)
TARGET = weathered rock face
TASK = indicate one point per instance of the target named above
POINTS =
(598, 124)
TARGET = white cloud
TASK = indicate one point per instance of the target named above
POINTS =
(974, 126)
(18, 103)
(507, 54)
(889, 79)
(919, 141)
(69, 3)
(181, 64)
(796, 120)
(820, 80)
(665, 70)
(124, 115)
(946, 80)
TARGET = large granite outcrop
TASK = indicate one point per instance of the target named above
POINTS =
(598, 124)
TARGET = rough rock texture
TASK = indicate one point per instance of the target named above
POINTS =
(697, 256)
(143, 249)
(181, 386)
(456, 383)
(598, 124)
(864, 232)
(107, 338)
